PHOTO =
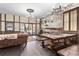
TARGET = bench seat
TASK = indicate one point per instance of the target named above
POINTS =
(70, 51)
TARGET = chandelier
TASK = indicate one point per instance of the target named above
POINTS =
(30, 11)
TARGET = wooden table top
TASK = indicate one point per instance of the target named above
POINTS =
(52, 36)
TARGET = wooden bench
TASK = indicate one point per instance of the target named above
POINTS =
(69, 51)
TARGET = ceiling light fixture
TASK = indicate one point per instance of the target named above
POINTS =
(30, 11)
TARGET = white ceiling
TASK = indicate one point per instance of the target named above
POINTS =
(40, 9)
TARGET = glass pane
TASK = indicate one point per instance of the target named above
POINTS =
(38, 20)
(2, 16)
(9, 26)
(38, 29)
(66, 21)
(34, 28)
(22, 27)
(32, 20)
(9, 17)
(16, 27)
(2, 26)
(24, 19)
(26, 28)
(73, 19)
(30, 29)
(16, 18)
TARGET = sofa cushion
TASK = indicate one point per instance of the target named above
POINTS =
(8, 36)
(11, 36)
(2, 37)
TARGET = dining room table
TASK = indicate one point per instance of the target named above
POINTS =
(56, 38)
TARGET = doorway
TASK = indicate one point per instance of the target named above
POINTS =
(33, 28)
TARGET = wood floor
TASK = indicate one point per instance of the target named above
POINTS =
(33, 48)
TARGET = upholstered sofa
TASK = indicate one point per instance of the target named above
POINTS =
(8, 40)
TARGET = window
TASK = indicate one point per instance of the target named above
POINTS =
(9, 26)
(22, 27)
(16, 26)
(66, 21)
(16, 18)
(73, 20)
(9, 17)
(2, 26)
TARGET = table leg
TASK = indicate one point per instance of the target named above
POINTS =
(43, 44)
(65, 42)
